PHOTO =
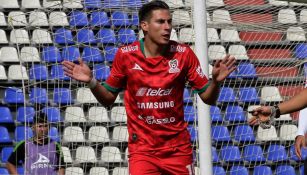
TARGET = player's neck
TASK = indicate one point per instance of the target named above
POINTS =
(40, 140)
(152, 49)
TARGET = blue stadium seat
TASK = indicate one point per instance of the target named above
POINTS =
(189, 113)
(38, 96)
(246, 70)
(234, 114)
(54, 134)
(187, 96)
(62, 96)
(133, 3)
(215, 156)
(302, 170)
(71, 53)
(86, 36)
(120, 19)
(23, 133)
(233, 74)
(3, 171)
(126, 36)
(293, 155)
(193, 132)
(226, 95)
(57, 72)
(13, 96)
(53, 114)
(6, 115)
(78, 19)
(25, 114)
(4, 135)
(238, 170)
(244, 133)
(262, 170)
(112, 3)
(92, 4)
(248, 95)
(51, 54)
(220, 134)
(215, 113)
(20, 170)
(100, 19)
(5, 153)
(135, 19)
(218, 170)
(285, 170)
(106, 36)
(253, 153)
(101, 72)
(230, 154)
(277, 153)
(110, 52)
(63, 36)
(301, 51)
(38, 72)
(92, 54)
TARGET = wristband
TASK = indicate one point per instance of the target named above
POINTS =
(275, 111)
(92, 84)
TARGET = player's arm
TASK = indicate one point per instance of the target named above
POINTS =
(12, 169)
(296, 103)
(17, 155)
(210, 95)
(263, 113)
(220, 71)
(83, 73)
(61, 171)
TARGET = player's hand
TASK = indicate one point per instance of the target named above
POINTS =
(260, 115)
(299, 143)
(222, 68)
(80, 72)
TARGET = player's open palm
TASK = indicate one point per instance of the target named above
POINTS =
(222, 68)
(80, 72)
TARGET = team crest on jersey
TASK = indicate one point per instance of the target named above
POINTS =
(173, 66)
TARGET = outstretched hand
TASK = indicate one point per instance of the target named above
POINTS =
(222, 68)
(80, 72)
(260, 115)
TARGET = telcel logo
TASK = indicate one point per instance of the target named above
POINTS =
(153, 92)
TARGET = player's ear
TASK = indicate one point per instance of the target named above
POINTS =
(144, 26)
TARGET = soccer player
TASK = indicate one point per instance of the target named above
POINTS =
(38, 155)
(153, 72)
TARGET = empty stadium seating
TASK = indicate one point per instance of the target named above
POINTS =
(25, 114)
(244, 133)
(220, 134)
(4, 135)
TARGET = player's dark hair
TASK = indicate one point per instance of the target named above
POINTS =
(146, 9)
(40, 117)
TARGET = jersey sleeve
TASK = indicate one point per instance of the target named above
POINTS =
(117, 79)
(18, 155)
(197, 79)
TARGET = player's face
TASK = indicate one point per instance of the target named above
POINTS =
(159, 26)
(41, 130)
